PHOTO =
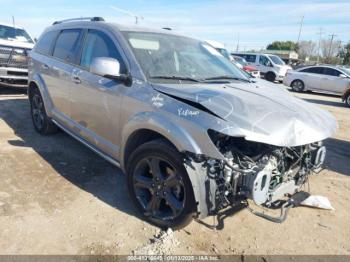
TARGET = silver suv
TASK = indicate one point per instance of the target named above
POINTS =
(193, 134)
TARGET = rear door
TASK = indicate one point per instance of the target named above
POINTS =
(332, 82)
(65, 54)
(312, 77)
(95, 99)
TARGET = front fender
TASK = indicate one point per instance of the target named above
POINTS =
(153, 121)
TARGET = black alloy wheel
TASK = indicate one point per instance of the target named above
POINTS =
(159, 185)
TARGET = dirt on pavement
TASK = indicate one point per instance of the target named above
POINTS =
(58, 197)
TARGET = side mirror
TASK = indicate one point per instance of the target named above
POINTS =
(343, 76)
(110, 68)
(106, 67)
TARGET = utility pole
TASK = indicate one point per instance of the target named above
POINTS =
(237, 48)
(319, 45)
(330, 46)
(301, 26)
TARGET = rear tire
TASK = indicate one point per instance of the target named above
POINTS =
(42, 123)
(297, 86)
(159, 185)
(270, 76)
(347, 100)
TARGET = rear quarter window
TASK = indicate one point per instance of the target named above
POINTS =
(45, 43)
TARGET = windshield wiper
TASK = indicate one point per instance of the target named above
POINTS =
(227, 78)
(177, 78)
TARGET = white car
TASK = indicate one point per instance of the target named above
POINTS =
(15, 45)
(322, 78)
(272, 67)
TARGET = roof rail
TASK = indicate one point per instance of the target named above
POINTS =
(93, 19)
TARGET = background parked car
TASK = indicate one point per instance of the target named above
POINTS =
(15, 44)
(271, 67)
(237, 61)
(323, 78)
(246, 67)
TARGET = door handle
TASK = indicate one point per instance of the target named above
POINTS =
(76, 80)
(45, 66)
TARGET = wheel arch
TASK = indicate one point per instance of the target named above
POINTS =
(38, 82)
(147, 126)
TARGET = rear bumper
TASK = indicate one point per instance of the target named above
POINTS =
(13, 77)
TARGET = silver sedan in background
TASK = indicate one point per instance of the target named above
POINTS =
(322, 78)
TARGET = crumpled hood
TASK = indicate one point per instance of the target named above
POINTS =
(259, 111)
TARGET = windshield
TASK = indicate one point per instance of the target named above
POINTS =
(276, 60)
(346, 70)
(11, 33)
(168, 57)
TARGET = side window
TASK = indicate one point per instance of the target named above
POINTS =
(67, 45)
(331, 72)
(316, 70)
(307, 70)
(98, 44)
(263, 60)
(250, 58)
(45, 43)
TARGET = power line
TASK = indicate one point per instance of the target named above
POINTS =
(137, 17)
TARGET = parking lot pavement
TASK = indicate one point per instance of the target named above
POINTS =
(57, 197)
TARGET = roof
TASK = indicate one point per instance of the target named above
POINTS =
(120, 27)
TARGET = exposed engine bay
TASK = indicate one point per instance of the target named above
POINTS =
(257, 171)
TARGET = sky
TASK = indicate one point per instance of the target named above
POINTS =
(247, 24)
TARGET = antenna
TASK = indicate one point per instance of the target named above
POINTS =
(137, 17)
(13, 21)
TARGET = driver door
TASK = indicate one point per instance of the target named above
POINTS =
(95, 99)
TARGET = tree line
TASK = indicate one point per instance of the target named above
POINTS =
(326, 51)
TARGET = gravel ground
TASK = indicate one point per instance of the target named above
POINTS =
(58, 197)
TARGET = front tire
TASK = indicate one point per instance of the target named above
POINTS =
(298, 86)
(159, 185)
(42, 123)
(270, 76)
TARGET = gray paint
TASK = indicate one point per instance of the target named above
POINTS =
(104, 113)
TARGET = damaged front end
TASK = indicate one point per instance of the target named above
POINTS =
(261, 172)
